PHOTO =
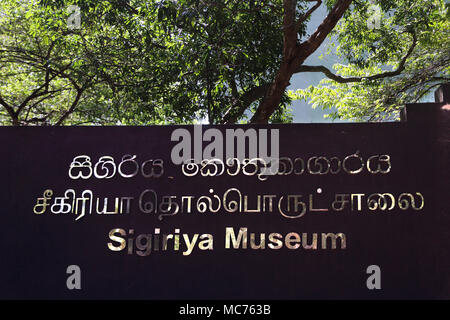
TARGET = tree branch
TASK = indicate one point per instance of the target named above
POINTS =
(332, 76)
(71, 108)
(42, 120)
(35, 94)
(238, 108)
(289, 27)
(318, 36)
(10, 111)
(307, 14)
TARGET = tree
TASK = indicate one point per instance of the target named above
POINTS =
(413, 41)
(140, 61)
(52, 74)
(40, 67)
(242, 54)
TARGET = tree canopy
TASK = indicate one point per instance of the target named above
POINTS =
(400, 62)
(152, 62)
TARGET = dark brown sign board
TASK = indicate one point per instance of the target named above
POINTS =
(393, 214)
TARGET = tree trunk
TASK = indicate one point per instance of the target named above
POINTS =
(295, 54)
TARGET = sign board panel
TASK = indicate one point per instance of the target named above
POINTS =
(352, 213)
